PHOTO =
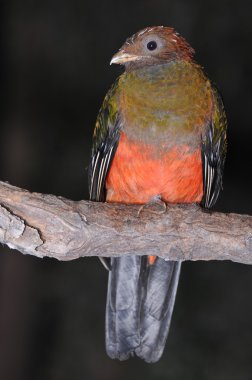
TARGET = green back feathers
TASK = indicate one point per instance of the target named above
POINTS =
(107, 116)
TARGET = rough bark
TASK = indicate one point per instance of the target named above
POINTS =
(46, 225)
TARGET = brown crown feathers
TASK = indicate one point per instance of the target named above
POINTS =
(153, 45)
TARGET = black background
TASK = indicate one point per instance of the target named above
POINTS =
(54, 72)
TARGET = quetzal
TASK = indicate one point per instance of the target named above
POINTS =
(161, 132)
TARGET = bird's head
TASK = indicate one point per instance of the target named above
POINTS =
(153, 45)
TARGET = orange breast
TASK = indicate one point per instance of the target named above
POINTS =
(139, 172)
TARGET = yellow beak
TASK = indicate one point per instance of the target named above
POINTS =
(122, 57)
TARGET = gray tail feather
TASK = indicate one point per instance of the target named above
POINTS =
(140, 302)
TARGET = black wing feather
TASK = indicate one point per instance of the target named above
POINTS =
(105, 142)
(213, 153)
(100, 164)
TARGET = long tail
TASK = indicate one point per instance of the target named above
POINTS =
(140, 302)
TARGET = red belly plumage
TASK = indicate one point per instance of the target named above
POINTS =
(138, 174)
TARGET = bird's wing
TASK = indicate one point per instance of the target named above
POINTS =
(105, 142)
(214, 147)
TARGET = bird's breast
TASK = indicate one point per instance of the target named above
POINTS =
(165, 103)
(141, 171)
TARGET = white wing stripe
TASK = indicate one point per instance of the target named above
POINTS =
(100, 177)
(93, 172)
(103, 171)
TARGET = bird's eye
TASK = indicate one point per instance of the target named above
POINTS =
(152, 45)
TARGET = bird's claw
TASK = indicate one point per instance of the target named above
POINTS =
(152, 206)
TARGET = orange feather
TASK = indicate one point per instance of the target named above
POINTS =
(140, 171)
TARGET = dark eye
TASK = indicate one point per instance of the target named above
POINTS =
(152, 45)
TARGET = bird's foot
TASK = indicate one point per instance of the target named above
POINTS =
(155, 206)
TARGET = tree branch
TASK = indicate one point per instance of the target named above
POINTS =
(46, 225)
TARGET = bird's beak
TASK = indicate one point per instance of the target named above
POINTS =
(122, 57)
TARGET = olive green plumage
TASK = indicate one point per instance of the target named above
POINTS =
(165, 101)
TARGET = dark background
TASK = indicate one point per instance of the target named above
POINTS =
(54, 72)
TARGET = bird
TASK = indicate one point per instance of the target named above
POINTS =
(160, 134)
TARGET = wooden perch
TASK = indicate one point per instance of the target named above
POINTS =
(46, 225)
